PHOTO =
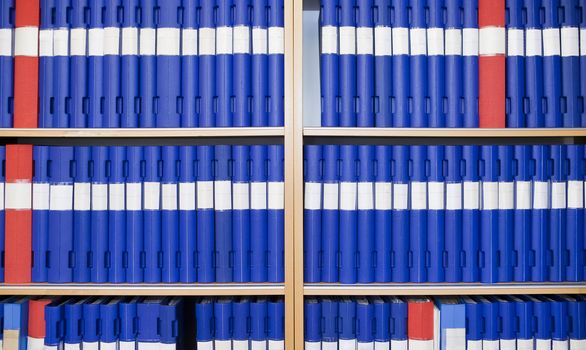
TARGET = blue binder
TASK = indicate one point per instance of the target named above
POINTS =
(522, 214)
(78, 65)
(190, 65)
(543, 320)
(46, 63)
(7, 67)
(109, 323)
(401, 65)
(259, 323)
(383, 64)
(383, 205)
(506, 214)
(329, 61)
(329, 311)
(73, 322)
(258, 214)
(222, 322)
(490, 321)
(418, 66)
(312, 323)
(170, 312)
(241, 212)
(400, 228)
(560, 324)
(489, 215)
(170, 214)
(128, 323)
(276, 213)
(91, 324)
(515, 63)
(61, 64)
(81, 214)
(110, 101)
(99, 214)
(204, 311)
(276, 62)
(534, 78)
(398, 323)
(583, 63)
(223, 213)
(552, 70)
(260, 83)
(454, 60)
(95, 68)
(348, 214)
(364, 63)
(364, 323)
(205, 214)
(147, 64)
(577, 326)
(575, 214)
(2, 210)
(147, 312)
(187, 214)
(241, 78)
(452, 322)
(54, 322)
(152, 214)
(330, 215)
(347, 62)
(558, 227)
(241, 329)
(382, 322)
(207, 63)
(572, 99)
(129, 65)
(436, 62)
(40, 217)
(507, 323)
(276, 324)
(117, 247)
(471, 214)
(418, 215)
(365, 269)
(540, 216)
(470, 63)
(454, 236)
(524, 316)
(60, 221)
(347, 324)
(134, 215)
(436, 215)
(224, 64)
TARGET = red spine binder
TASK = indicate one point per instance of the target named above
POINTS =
(420, 324)
(36, 318)
(491, 63)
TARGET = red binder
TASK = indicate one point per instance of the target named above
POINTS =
(36, 318)
(420, 325)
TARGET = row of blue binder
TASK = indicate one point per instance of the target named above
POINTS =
(444, 213)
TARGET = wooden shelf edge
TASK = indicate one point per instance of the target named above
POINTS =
(229, 289)
(442, 132)
(142, 133)
(443, 289)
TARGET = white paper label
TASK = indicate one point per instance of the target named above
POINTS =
(40, 196)
(515, 44)
(224, 41)
(205, 195)
(169, 196)
(575, 194)
(418, 195)
(453, 42)
(400, 41)
(454, 196)
(551, 42)
(312, 196)
(365, 196)
(533, 42)
(222, 195)
(189, 42)
(348, 196)
(418, 42)
(258, 196)
(152, 195)
(207, 41)
(490, 195)
(116, 197)
(240, 196)
(523, 195)
(506, 195)
(436, 195)
(456, 339)
(134, 196)
(6, 42)
(276, 195)
(26, 41)
(148, 41)
(470, 42)
(112, 41)
(276, 41)
(364, 41)
(558, 195)
(168, 41)
(78, 42)
(491, 41)
(96, 42)
(347, 41)
(383, 37)
(259, 41)
(570, 41)
(187, 196)
(329, 40)
(99, 197)
(130, 41)
(383, 196)
(435, 41)
(400, 196)
(241, 40)
(471, 195)
(61, 42)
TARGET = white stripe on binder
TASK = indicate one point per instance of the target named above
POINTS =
(400, 196)
(18, 195)
(258, 195)
(576, 194)
(46, 43)
(109, 346)
(329, 345)
(239, 344)
(276, 195)
(474, 344)
(365, 346)
(77, 346)
(312, 196)
(259, 41)
(78, 42)
(257, 345)
(276, 40)
(224, 41)
(470, 41)
(583, 42)
(145, 346)
(454, 196)
(26, 41)
(61, 42)
(126, 345)
(418, 195)
(490, 345)
(540, 195)
(453, 42)
(551, 42)
(205, 195)
(312, 345)
(400, 41)
(169, 41)
(365, 196)
(383, 39)
(508, 344)
(2, 197)
(491, 41)
(347, 344)
(435, 41)
(560, 345)
(222, 195)
(399, 345)
(165, 346)
(116, 197)
(129, 41)
(329, 40)
(189, 42)
(240, 196)
(364, 41)
(347, 41)
(577, 344)
(96, 42)
(40, 196)
(383, 199)
(490, 195)
(35, 343)
(416, 344)
(61, 198)
(134, 196)
(90, 346)
(418, 42)
(112, 41)
(331, 197)
(147, 41)
(525, 344)
(6, 42)
(276, 345)
(348, 192)
(515, 44)
(382, 345)
(436, 195)
(99, 197)
(204, 345)
(533, 42)
(558, 195)
(241, 39)
(523, 195)
(456, 339)
(506, 195)
(542, 344)
(169, 196)
(570, 41)
(152, 195)
(471, 195)
(187, 196)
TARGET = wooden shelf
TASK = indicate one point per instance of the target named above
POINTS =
(325, 289)
(143, 133)
(443, 132)
(228, 289)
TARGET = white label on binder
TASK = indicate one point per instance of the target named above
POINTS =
(560, 344)
(400, 41)
(187, 196)
(329, 345)
(312, 196)
(189, 42)
(276, 196)
(515, 44)
(508, 344)
(276, 40)
(241, 196)
(111, 346)
(456, 339)
(506, 195)
(365, 346)
(347, 344)
(74, 346)
(570, 41)
(165, 346)
(533, 42)
(169, 196)
(576, 194)
(126, 345)
(99, 197)
(329, 40)
(147, 41)
(331, 198)
(259, 41)
(383, 37)
(578, 344)
(90, 345)
(239, 344)
(169, 41)
(540, 195)
(35, 343)
(61, 42)
(454, 196)
(383, 198)
(222, 195)
(152, 195)
(257, 345)
(382, 345)
(400, 196)
(224, 41)
(418, 42)
(523, 195)
(112, 41)
(242, 39)
(205, 195)
(207, 41)
(130, 41)
(471, 195)
(470, 42)
(490, 345)
(365, 196)
(258, 195)
(542, 344)
(348, 191)
(276, 345)
(490, 195)
(6, 42)
(435, 41)
(78, 42)
(453, 42)
(347, 41)
(134, 196)
(416, 344)
(524, 344)
(364, 41)
(436, 195)
(116, 197)
(2, 196)
(313, 345)
(26, 41)
(558, 195)
(40, 196)
(474, 344)
(583, 42)
(418, 195)
(551, 42)
(96, 42)
(46, 43)
(399, 344)
(491, 41)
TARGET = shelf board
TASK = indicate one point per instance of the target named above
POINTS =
(325, 289)
(142, 133)
(443, 132)
(196, 289)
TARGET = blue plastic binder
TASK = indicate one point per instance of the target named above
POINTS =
(95, 65)
(312, 323)
(258, 214)
(364, 323)
(2, 211)
(54, 317)
(109, 323)
(348, 214)
(205, 214)
(507, 323)
(400, 217)
(187, 214)
(91, 324)
(398, 323)
(364, 63)
(418, 215)
(241, 212)
(560, 324)
(489, 215)
(347, 323)
(534, 73)
(454, 63)
(525, 320)
(347, 62)
(436, 63)
(260, 83)
(204, 311)
(575, 214)
(418, 50)
(241, 316)
(40, 215)
(506, 214)
(552, 64)
(241, 76)
(7, 67)
(383, 205)
(515, 63)
(129, 65)
(490, 320)
(522, 230)
(223, 213)
(329, 311)
(452, 322)
(73, 321)
(78, 65)
(147, 312)
(312, 213)
(471, 214)
(540, 216)
(224, 65)
(583, 65)
(170, 214)
(170, 311)
(401, 65)
(558, 223)
(454, 253)
(276, 62)
(572, 104)
(190, 65)
(110, 102)
(276, 213)
(470, 63)
(543, 325)
(127, 310)
(152, 214)
(365, 269)
(81, 214)
(46, 64)
(436, 215)
(134, 215)
(383, 64)
(117, 246)
(99, 214)
(329, 61)
(576, 315)
(276, 324)
(207, 63)
(382, 322)
(148, 64)
(330, 215)
(259, 323)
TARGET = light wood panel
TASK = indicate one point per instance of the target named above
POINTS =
(442, 132)
(142, 133)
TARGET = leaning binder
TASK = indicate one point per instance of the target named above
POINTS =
(170, 311)
(147, 312)
(436, 62)
(552, 70)
(364, 324)
(399, 324)
(452, 323)
(348, 214)
(204, 311)
(169, 214)
(540, 216)
(16, 324)
(223, 215)
(515, 66)
(454, 232)
(130, 64)
(489, 215)
(109, 319)
(91, 320)
(436, 215)
(418, 215)
(99, 216)
(54, 318)
(522, 214)
(187, 214)
(525, 323)
(258, 213)
(81, 213)
(473, 324)
(575, 214)
(400, 229)
(347, 324)
(508, 323)
(365, 215)
(577, 328)
(117, 245)
(242, 72)
(241, 329)
(95, 64)
(421, 323)
(73, 320)
(148, 64)
(506, 212)
(205, 214)
(134, 214)
(542, 322)
(383, 205)
(330, 215)
(40, 216)
(329, 335)
(312, 323)
(151, 206)
(558, 212)
(276, 213)
(560, 325)
(36, 323)
(260, 83)
(329, 62)
(128, 324)
(382, 323)
(490, 322)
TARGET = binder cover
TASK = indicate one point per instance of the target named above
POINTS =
(276, 324)
(312, 323)
(259, 325)
(99, 216)
(400, 229)
(383, 205)
(117, 245)
(455, 60)
(347, 62)
(40, 216)
(454, 224)
(205, 214)
(470, 64)
(365, 215)
(260, 70)
(436, 235)
(575, 214)
(383, 64)
(276, 50)
(418, 215)
(223, 214)
(312, 213)
(224, 63)
(190, 65)
(364, 324)
(147, 64)
(91, 321)
(348, 214)
(515, 65)
(258, 213)
(128, 323)
(95, 64)
(523, 214)
(61, 68)
(489, 215)
(452, 323)
(2, 207)
(558, 214)
(129, 65)
(365, 63)
(506, 213)
(401, 65)
(207, 63)
(134, 215)
(552, 70)
(36, 323)
(347, 324)
(436, 62)
(187, 214)
(241, 77)
(46, 63)
(241, 213)
(540, 216)
(276, 213)
(418, 51)
(572, 98)
(81, 213)
(330, 244)
(534, 60)
(152, 214)
(170, 214)
(329, 63)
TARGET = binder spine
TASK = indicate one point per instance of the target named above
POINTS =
(583, 64)
(241, 329)
(78, 65)
(470, 61)
(148, 312)
(91, 319)
(436, 217)
(515, 65)
(401, 65)
(109, 324)
(46, 63)
(398, 330)
(95, 65)
(61, 57)
(558, 228)
(128, 324)
(259, 323)
(347, 324)
(508, 326)
(260, 83)
(187, 214)
(418, 217)
(526, 322)
(190, 65)
(53, 325)
(534, 69)
(454, 258)
(364, 324)
(330, 222)
(436, 51)
(99, 214)
(383, 64)
(241, 213)
(543, 323)
(258, 213)
(329, 337)
(365, 63)
(559, 315)
(129, 65)
(207, 63)
(36, 323)
(73, 320)
(40, 213)
(276, 214)
(242, 72)
(489, 215)
(506, 212)
(365, 215)
(420, 323)
(152, 214)
(276, 51)
(571, 105)
(205, 214)
(473, 324)
(329, 63)
(347, 63)
(471, 214)
(575, 214)
(3, 207)
(400, 216)
(117, 245)
(135, 255)
(204, 309)
(276, 324)
(348, 214)
(490, 321)
(112, 33)
(312, 323)
(522, 232)
(169, 313)
(224, 63)
(223, 213)
(552, 63)
(455, 71)
(382, 323)
(169, 214)
(312, 213)
(418, 56)
(383, 205)
(540, 216)
(7, 64)
(148, 63)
